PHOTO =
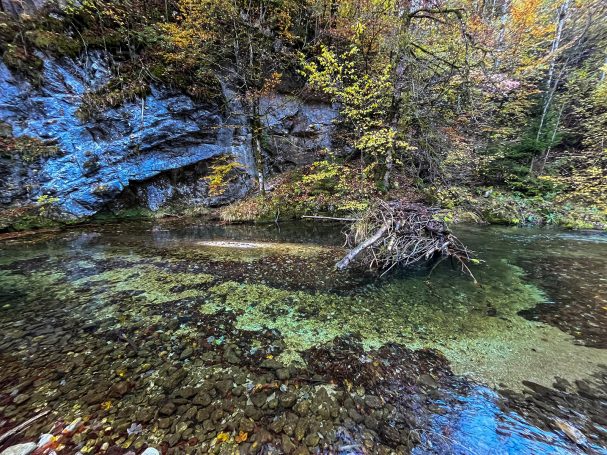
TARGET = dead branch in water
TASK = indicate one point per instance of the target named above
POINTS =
(402, 233)
(329, 218)
(23, 425)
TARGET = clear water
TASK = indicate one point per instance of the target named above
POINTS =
(198, 338)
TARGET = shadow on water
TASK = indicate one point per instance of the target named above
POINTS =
(157, 335)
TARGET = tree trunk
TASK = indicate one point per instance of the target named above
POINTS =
(389, 166)
(256, 131)
(556, 44)
(341, 265)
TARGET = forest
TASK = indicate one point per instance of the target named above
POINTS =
(492, 110)
(344, 227)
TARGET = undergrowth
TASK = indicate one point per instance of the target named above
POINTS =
(498, 206)
(324, 188)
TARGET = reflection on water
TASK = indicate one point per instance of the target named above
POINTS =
(476, 425)
(153, 335)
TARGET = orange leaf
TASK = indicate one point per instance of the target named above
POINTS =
(242, 437)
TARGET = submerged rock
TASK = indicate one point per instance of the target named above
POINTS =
(20, 449)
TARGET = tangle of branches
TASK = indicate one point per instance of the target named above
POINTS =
(402, 233)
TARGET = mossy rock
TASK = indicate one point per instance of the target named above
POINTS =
(24, 219)
(18, 60)
(25, 148)
(56, 43)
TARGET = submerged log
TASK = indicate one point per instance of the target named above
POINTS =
(402, 233)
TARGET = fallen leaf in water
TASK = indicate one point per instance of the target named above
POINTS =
(242, 437)
(106, 405)
(222, 437)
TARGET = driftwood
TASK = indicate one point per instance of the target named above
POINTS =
(23, 426)
(402, 233)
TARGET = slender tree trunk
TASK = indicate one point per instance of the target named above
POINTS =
(389, 166)
(551, 85)
(504, 14)
(556, 128)
(256, 131)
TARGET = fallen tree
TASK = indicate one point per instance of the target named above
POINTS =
(402, 233)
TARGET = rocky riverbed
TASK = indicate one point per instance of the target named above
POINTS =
(177, 339)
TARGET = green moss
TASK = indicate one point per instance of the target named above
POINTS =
(252, 251)
(28, 218)
(54, 42)
(447, 313)
(412, 312)
(26, 148)
(17, 59)
(115, 93)
(124, 214)
(158, 286)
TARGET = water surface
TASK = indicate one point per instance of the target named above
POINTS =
(197, 338)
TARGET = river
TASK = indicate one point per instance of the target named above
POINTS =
(197, 338)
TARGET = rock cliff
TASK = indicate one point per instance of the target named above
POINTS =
(150, 152)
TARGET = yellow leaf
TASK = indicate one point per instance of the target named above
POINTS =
(222, 437)
(106, 405)
(348, 384)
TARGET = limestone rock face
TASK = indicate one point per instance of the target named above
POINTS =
(16, 7)
(152, 153)
(120, 147)
(298, 131)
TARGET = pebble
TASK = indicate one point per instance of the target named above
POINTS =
(202, 399)
(44, 439)
(373, 402)
(271, 364)
(287, 400)
(72, 427)
(164, 423)
(21, 398)
(181, 427)
(312, 440)
(283, 374)
(223, 387)
(168, 409)
(119, 389)
(287, 444)
(186, 353)
(355, 415)
(186, 392)
(427, 380)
